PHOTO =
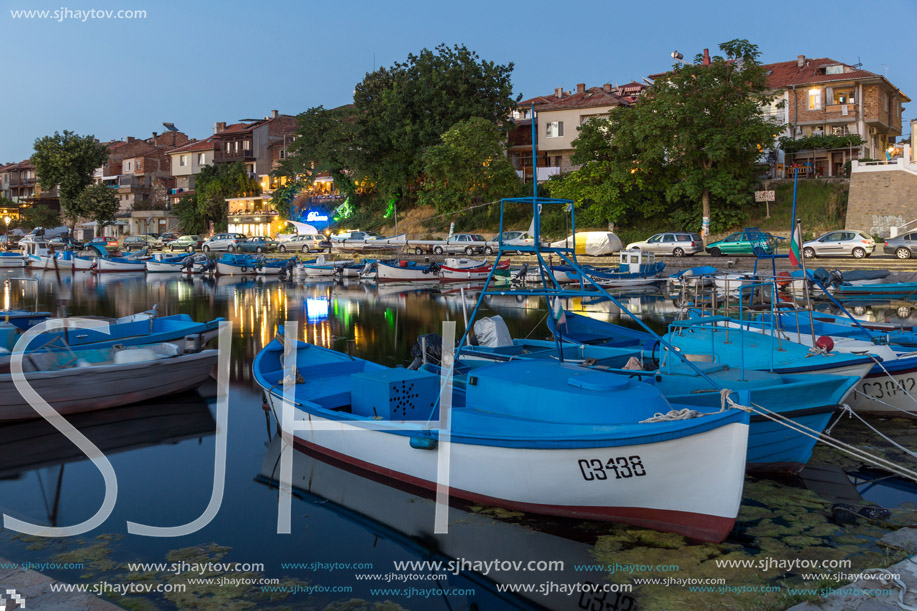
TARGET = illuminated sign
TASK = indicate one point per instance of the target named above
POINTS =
(315, 216)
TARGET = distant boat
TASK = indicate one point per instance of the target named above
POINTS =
(89, 379)
(135, 262)
(236, 265)
(480, 272)
(401, 271)
(274, 267)
(9, 260)
(160, 264)
(536, 436)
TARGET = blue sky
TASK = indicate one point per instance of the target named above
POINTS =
(194, 62)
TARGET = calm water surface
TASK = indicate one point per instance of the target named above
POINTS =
(163, 454)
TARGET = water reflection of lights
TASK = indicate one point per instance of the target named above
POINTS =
(317, 309)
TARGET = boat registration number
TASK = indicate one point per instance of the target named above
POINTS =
(622, 467)
(889, 388)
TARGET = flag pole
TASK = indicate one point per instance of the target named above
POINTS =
(805, 284)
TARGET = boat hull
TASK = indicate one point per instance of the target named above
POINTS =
(679, 496)
(12, 261)
(84, 389)
(160, 267)
(226, 269)
(108, 266)
(392, 273)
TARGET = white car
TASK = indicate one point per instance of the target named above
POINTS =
(510, 239)
(856, 244)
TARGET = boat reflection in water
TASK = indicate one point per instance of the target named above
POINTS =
(398, 515)
(35, 445)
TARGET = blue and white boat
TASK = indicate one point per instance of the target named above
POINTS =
(236, 265)
(274, 267)
(134, 262)
(11, 260)
(406, 271)
(160, 264)
(531, 435)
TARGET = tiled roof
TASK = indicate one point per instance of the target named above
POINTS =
(786, 74)
(19, 165)
(590, 98)
(198, 145)
(238, 128)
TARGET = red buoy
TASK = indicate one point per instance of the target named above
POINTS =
(825, 343)
(783, 279)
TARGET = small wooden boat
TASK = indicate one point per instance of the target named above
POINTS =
(236, 265)
(89, 379)
(318, 268)
(274, 267)
(10, 260)
(451, 274)
(165, 265)
(536, 436)
(401, 271)
(134, 262)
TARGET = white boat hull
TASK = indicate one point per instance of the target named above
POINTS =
(390, 273)
(160, 267)
(107, 265)
(12, 261)
(224, 269)
(271, 271)
(559, 481)
(84, 264)
(83, 389)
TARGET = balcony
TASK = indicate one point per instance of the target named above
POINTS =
(842, 110)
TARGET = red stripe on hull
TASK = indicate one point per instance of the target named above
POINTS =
(695, 526)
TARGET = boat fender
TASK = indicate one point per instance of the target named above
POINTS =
(423, 443)
(243, 269)
(402, 264)
(783, 279)
(824, 343)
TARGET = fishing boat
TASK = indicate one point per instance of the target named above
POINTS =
(198, 264)
(88, 379)
(274, 267)
(536, 436)
(318, 268)
(635, 268)
(160, 264)
(236, 265)
(11, 260)
(452, 274)
(401, 271)
(78, 262)
(23, 319)
(134, 262)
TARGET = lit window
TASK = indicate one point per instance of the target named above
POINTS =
(554, 129)
(815, 99)
(182, 160)
(246, 145)
(229, 147)
(201, 158)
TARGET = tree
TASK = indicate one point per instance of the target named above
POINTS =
(405, 109)
(98, 202)
(217, 182)
(38, 216)
(694, 135)
(189, 217)
(468, 167)
(324, 144)
(67, 161)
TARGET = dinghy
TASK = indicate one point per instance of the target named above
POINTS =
(401, 271)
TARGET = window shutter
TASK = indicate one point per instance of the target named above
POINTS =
(829, 95)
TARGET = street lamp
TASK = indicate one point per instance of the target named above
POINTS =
(6, 220)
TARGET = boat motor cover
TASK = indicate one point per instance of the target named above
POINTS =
(492, 332)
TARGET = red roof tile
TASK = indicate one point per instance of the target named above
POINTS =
(198, 145)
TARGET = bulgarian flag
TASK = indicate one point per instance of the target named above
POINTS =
(560, 316)
(795, 241)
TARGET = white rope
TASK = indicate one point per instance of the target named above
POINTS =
(876, 431)
(890, 578)
(674, 414)
(898, 382)
(886, 404)
(834, 443)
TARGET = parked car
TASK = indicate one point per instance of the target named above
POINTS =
(258, 244)
(139, 242)
(510, 239)
(467, 243)
(188, 243)
(903, 246)
(9, 242)
(740, 243)
(167, 237)
(305, 243)
(856, 244)
(153, 235)
(110, 244)
(675, 243)
(64, 242)
(224, 241)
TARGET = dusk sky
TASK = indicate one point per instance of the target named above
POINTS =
(194, 62)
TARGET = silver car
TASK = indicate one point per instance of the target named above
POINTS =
(676, 243)
(856, 244)
(903, 246)
(224, 241)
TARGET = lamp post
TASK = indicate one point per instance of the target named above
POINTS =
(7, 219)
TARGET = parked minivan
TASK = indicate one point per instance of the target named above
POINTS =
(675, 243)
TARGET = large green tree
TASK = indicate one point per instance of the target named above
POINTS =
(39, 216)
(67, 161)
(324, 144)
(217, 182)
(98, 202)
(694, 136)
(189, 217)
(468, 167)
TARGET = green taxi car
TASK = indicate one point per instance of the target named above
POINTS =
(740, 243)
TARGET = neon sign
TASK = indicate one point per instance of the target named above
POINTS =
(315, 216)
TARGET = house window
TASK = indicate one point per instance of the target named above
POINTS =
(229, 147)
(246, 145)
(127, 166)
(814, 99)
(283, 154)
(182, 160)
(554, 129)
(843, 96)
(835, 69)
(202, 158)
(237, 146)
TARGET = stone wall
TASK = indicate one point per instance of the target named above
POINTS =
(881, 200)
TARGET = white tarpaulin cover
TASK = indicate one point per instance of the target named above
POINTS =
(492, 332)
(304, 228)
(593, 243)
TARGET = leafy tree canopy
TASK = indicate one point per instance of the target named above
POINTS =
(98, 202)
(39, 216)
(468, 167)
(67, 161)
(189, 217)
(694, 136)
(217, 182)
(820, 142)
